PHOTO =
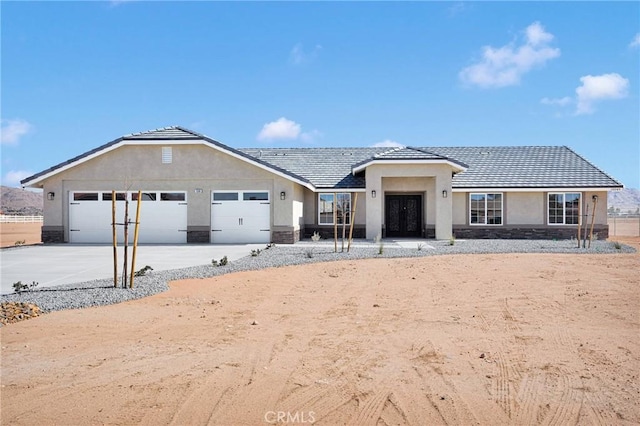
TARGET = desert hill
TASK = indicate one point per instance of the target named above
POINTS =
(20, 201)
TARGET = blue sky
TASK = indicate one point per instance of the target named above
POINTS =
(76, 75)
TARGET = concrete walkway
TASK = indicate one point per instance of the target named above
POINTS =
(57, 264)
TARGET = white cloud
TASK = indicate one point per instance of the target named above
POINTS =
(599, 87)
(387, 142)
(298, 56)
(557, 101)
(12, 130)
(279, 129)
(504, 66)
(635, 42)
(13, 177)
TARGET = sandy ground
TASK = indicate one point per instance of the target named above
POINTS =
(12, 232)
(473, 339)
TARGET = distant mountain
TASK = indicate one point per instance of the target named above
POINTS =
(627, 200)
(20, 201)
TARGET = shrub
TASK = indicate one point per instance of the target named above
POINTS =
(452, 240)
(19, 243)
(220, 262)
(18, 287)
(308, 252)
(617, 245)
(255, 252)
(420, 246)
(315, 237)
(142, 272)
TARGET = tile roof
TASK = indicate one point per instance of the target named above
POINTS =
(525, 167)
(323, 167)
(486, 167)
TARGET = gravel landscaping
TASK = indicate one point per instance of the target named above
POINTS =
(101, 292)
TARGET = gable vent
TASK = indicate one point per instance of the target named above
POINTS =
(167, 155)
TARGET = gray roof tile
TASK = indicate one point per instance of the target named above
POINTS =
(486, 167)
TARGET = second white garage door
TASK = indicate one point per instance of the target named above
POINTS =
(240, 217)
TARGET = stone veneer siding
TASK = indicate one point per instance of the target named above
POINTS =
(52, 234)
(285, 237)
(326, 232)
(528, 233)
(198, 234)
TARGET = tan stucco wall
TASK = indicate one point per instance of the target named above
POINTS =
(439, 209)
(601, 206)
(460, 209)
(139, 167)
(525, 208)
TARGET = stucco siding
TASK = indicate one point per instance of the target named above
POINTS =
(525, 208)
(460, 209)
(139, 167)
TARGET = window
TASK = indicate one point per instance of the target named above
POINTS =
(485, 209)
(225, 196)
(172, 196)
(85, 196)
(255, 196)
(326, 206)
(146, 196)
(120, 196)
(564, 208)
(167, 155)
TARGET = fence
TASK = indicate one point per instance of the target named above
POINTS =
(624, 226)
(20, 219)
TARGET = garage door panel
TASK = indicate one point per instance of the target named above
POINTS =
(240, 217)
(163, 217)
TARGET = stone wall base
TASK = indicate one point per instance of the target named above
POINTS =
(52, 234)
(285, 236)
(198, 234)
(527, 233)
(326, 232)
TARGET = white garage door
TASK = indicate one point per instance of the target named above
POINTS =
(163, 216)
(240, 217)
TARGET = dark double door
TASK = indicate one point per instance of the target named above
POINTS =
(403, 216)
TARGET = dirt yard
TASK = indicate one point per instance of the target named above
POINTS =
(474, 339)
(10, 233)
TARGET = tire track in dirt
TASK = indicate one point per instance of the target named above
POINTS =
(371, 410)
(529, 399)
(565, 409)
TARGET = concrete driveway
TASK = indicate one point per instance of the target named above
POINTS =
(52, 265)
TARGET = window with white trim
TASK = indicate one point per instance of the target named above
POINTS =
(563, 208)
(342, 206)
(485, 209)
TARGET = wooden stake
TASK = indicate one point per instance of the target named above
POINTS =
(135, 239)
(126, 242)
(593, 219)
(586, 227)
(579, 219)
(115, 238)
(353, 219)
(335, 222)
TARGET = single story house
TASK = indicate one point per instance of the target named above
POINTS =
(198, 190)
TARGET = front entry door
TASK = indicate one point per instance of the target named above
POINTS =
(403, 215)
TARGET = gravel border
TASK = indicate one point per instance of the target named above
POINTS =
(101, 292)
